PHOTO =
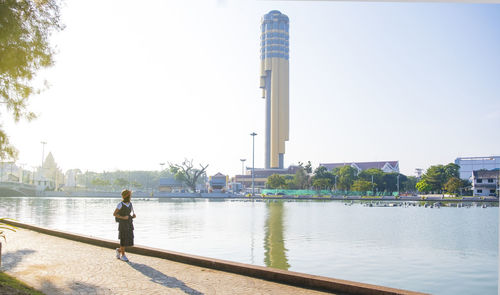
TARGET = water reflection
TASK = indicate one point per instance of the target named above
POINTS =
(274, 242)
(453, 249)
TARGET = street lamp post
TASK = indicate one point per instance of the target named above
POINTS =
(372, 185)
(42, 175)
(242, 165)
(159, 175)
(43, 150)
(242, 172)
(398, 184)
(253, 163)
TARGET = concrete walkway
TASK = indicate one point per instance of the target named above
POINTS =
(60, 266)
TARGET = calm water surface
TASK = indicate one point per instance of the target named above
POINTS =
(439, 251)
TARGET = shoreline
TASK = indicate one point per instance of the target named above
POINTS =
(229, 196)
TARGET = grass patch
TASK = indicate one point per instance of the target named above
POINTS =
(371, 197)
(10, 285)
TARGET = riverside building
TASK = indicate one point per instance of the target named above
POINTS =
(386, 166)
(470, 164)
(274, 81)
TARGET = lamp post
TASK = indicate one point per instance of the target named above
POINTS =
(21, 172)
(43, 150)
(242, 169)
(159, 174)
(372, 185)
(253, 163)
(398, 184)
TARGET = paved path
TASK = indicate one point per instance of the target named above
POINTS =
(59, 266)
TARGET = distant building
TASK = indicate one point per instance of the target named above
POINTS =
(387, 166)
(170, 184)
(485, 182)
(49, 176)
(217, 183)
(470, 164)
(261, 175)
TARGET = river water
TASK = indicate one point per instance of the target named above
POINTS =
(446, 250)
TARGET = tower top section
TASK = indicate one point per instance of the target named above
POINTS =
(275, 15)
(274, 39)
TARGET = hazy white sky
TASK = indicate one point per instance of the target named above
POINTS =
(139, 83)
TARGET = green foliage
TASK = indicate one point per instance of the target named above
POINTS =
(376, 174)
(307, 168)
(453, 185)
(435, 177)
(276, 181)
(120, 182)
(322, 183)
(346, 177)
(452, 170)
(409, 184)
(438, 175)
(361, 185)
(17, 287)
(323, 178)
(25, 29)
(290, 184)
(423, 186)
(100, 182)
(300, 180)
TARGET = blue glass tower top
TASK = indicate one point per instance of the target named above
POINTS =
(274, 35)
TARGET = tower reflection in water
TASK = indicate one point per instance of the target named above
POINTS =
(274, 242)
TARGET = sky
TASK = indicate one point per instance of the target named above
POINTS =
(134, 85)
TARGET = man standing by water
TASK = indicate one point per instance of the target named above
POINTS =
(125, 224)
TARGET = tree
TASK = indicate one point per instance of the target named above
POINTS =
(346, 177)
(100, 182)
(323, 178)
(301, 179)
(377, 175)
(120, 182)
(276, 181)
(361, 185)
(320, 183)
(453, 185)
(307, 167)
(437, 175)
(186, 174)
(391, 181)
(409, 184)
(451, 170)
(25, 28)
(290, 183)
(423, 186)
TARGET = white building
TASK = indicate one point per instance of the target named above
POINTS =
(386, 166)
(470, 164)
(485, 183)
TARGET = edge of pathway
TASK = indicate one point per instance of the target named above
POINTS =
(276, 275)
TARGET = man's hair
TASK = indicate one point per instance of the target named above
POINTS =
(126, 194)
